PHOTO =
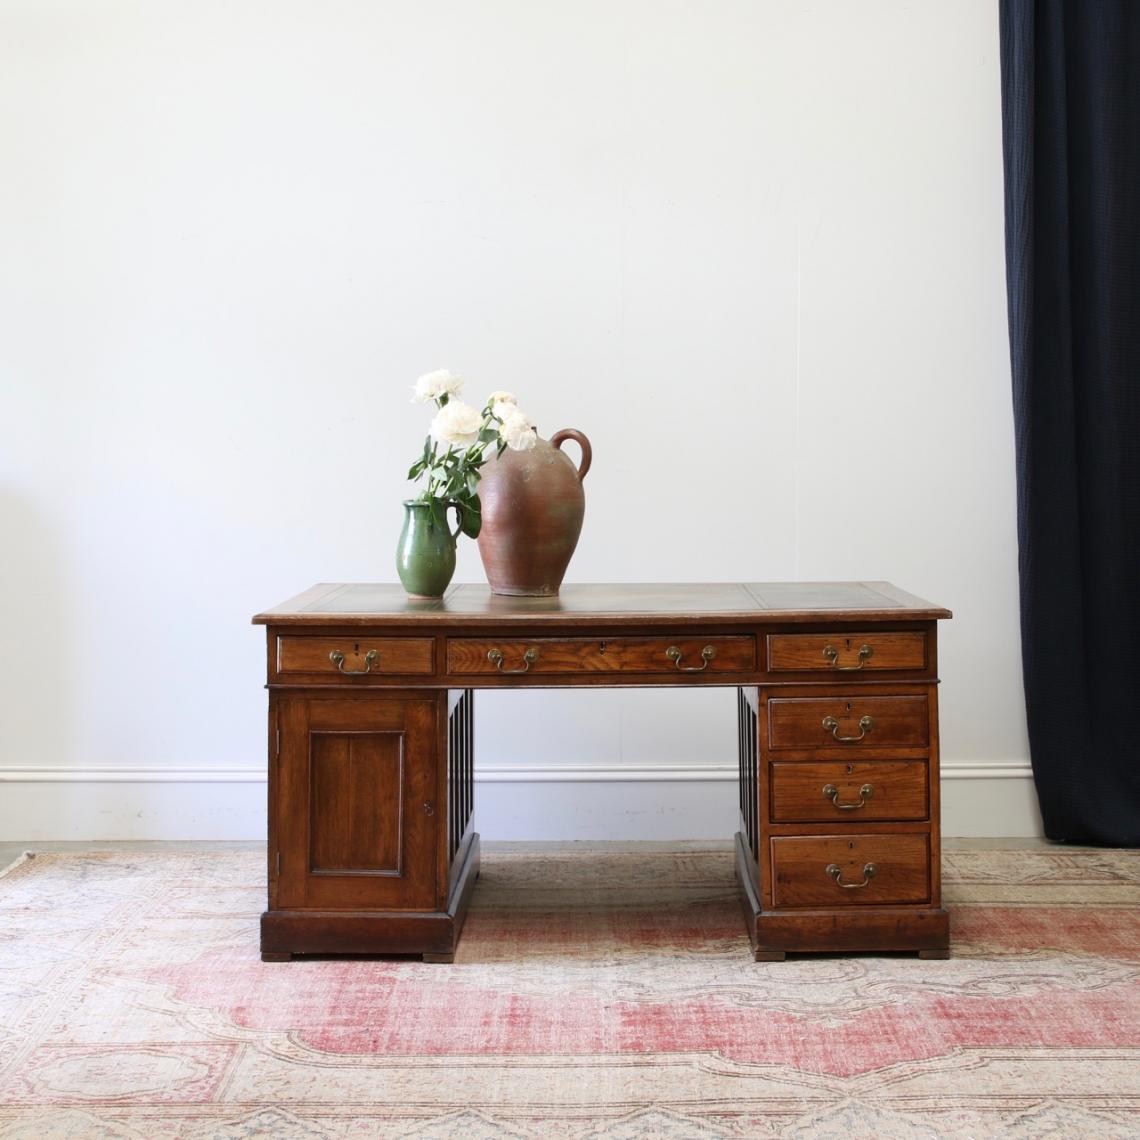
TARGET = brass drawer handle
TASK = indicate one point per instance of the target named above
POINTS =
(707, 654)
(496, 659)
(831, 792)
(836, 872)
(832, 655)
(830, 724)
(370, 659)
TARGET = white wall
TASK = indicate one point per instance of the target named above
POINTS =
(754, 250)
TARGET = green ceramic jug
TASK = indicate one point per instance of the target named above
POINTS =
(425, 556)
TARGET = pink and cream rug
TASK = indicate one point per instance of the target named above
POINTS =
(595, 994)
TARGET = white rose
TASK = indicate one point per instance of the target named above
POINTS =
(457, 424)
(432, 385)
(502, 403)
(517, 432)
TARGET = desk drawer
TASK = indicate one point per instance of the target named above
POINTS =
(863, 790)
(846, 652)
(353, 656)
(851, 721)
(850, 870)
(688, 655)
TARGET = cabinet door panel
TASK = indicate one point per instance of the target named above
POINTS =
(357, 815)
(357, 801)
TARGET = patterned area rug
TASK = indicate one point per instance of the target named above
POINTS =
(595, 994)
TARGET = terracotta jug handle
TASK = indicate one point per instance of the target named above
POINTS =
(587, 452)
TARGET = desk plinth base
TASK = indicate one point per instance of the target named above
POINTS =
(433, 934)
(775, 933)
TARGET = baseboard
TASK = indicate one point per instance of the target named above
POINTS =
(491, 774)
(998, 799)
(136, 775)
(533, 802)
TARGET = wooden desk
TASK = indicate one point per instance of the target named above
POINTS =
(372, 845)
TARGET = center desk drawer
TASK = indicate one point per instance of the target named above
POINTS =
(851, 721)
(356, 656)
(469, 656)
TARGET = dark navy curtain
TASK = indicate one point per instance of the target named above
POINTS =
(1071, 119)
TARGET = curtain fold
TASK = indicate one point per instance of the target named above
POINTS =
(1071, 132)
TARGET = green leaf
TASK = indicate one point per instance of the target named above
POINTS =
(470, 517)
(472, 483)
(427, 451)
(416, 469)
(439, 512)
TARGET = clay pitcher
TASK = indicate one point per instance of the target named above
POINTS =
(533, 505)
(425, 556)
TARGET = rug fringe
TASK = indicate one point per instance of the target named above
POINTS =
(22, 858)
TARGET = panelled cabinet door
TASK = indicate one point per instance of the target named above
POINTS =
(356, 812)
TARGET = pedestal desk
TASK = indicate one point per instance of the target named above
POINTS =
(372, 845)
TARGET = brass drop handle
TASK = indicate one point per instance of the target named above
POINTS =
(831, 792)
(836, 872)
(832, 655)
(830, 724)
(496, 659)
(370, 659)
(707, 654)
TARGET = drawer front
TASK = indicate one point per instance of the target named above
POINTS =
(685, 655)
(846, 652)
(355, 656)
(850, 870)
(808, 792)
(851, 722)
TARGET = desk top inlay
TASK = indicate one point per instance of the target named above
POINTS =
(360, 603)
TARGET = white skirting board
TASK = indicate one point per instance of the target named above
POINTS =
(582, 802)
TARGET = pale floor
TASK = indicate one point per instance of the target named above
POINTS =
(10, 850)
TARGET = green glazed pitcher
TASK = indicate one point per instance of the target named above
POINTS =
(425, 556)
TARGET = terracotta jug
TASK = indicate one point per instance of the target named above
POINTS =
(533, 505)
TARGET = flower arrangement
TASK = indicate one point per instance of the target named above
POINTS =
(457, 443)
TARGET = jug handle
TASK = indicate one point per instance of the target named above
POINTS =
(587, 452)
